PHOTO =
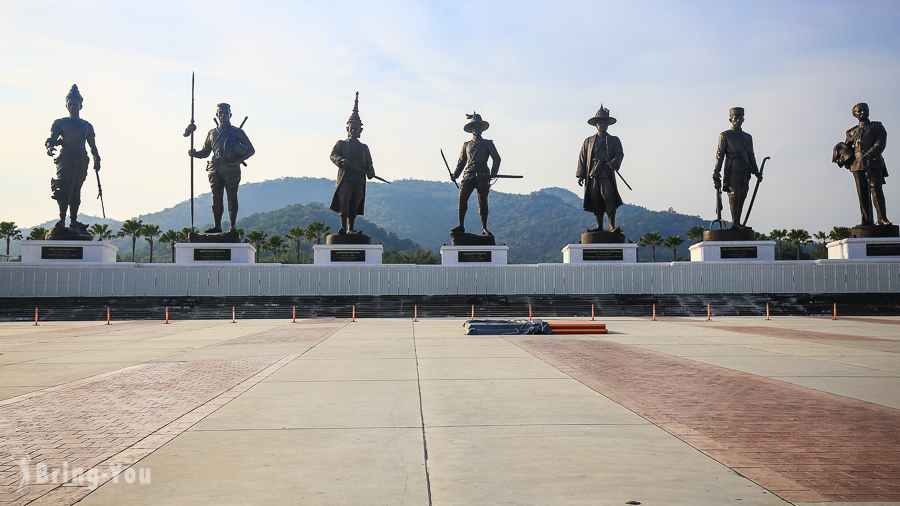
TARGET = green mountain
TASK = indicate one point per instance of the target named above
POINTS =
(407, 213)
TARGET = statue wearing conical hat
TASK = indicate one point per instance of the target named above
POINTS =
(354, 166)
(72, 163)
(600, 157)
(473, 167)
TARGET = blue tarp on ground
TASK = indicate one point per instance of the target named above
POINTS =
(506, 327)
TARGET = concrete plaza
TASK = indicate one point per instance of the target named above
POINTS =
(793, 410)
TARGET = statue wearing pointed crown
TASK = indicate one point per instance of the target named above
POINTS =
(354, 164)
(70, 134)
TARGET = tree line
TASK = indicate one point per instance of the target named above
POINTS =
(284, 249)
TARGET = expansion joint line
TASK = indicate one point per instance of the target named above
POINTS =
(422, 415)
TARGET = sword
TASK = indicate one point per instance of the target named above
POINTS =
(100, 193)
(448, 169)
(623, 180)
(755, 189)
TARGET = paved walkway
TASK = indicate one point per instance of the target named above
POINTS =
(682, 411)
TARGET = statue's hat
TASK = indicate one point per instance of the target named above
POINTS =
(602, 115)
(354, 117)
(74, 94)
(475, 121)
(735, 111)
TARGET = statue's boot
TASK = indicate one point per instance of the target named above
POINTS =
(458, 229)
(232, 229)
(735, 213)
(880, 209)
(73, 223)
(612, 223)
(342, 231)
(61, 223)
(214, 230)
(485, 231)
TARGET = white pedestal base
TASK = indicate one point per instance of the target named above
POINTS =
(214, 253)
(474, 255)
(869, 249)
(347, 254)
(606, 253)
(68, 252)
(733, 251)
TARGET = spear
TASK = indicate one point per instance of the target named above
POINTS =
(189, 131)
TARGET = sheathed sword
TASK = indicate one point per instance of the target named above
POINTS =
(448, 169)
(623, 179)
(100, 193)
(755, 189)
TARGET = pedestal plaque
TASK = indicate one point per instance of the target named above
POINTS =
(68, 252)
(733, 251)
(871, 248)
(214, 253)
(474, 255)
(598, 253)
(347, 254)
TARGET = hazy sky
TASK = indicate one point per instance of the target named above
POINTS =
(669, 71)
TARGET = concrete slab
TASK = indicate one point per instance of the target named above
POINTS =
(356, 369)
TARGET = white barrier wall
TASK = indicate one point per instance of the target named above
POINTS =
(127, 279)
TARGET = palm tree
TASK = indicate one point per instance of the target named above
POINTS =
(652, 239)
(9, 231)
(759, 237)
(274, 244)
(839, 233)
(101, 231)
(37, 234)
(170, 237)
(256, 238)
(822, 237)
(184, 235)
(150, 232)
(673, 241)
(317, 230)
(297, 234)
(419, 256)
(695, 234)
(131, 228)
(800, 238)
(778, 235)
(240, 232)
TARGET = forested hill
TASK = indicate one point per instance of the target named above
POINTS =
(535, 226)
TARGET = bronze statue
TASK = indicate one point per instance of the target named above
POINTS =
(475, 173)
(354, 166)
(230, 147)
(72, 163)
(598, 164)
(861, 154)
(735, 152)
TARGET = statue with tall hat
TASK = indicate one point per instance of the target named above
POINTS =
(598, 165)
(476, 176)
(71, 134)
(354, 162)
(230, 148)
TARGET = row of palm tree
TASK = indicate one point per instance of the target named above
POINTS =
(262, 241)
(796, 236)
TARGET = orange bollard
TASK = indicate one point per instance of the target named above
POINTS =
(232, 315)
(529, 312)
(767, 311)
(354, 314)
(835, 310)
(654, 312)
(592, 312)
(295, 315)
(415, 313)
(107, 315)
(35, 317)
(708, 313)
(167, 315)
(473, 311)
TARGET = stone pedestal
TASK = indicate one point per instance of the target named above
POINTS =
(474, 255)
(68, 252)
(347, 254)
(466, 239)
(610, 253)
(869, 249)
(733, 251)
(214, 253)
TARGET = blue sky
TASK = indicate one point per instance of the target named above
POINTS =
(669, 71)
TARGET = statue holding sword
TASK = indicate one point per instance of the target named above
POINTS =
(598, 165)
(476, 175)
(354, 163)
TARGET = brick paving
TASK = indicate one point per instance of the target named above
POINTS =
(794, 333)
(870, 320)
(286, 335)
(101, 425)
(801, 444)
